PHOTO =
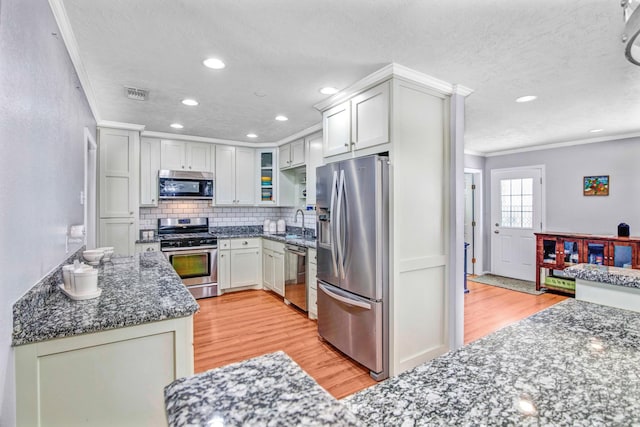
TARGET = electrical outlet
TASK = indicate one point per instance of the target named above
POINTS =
(82, 198)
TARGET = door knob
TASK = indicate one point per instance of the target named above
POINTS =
(497, 232)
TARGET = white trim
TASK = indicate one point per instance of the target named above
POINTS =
(181, 137)
(474, 153)
(561, 144)
(69, 38)
(120, 125)
(385, 73)
(89, 145)
(305, 132)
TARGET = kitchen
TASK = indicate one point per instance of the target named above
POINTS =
(53, 159)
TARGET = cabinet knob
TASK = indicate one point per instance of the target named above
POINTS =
(245, 243)
(497, 232)
(153, 200)
(189, 167)
(182, 166)
(221, 256)
(131, 213)
(346, 145)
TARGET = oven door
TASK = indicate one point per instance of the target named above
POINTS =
(195, 266)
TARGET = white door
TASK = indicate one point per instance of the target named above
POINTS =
(516, 213)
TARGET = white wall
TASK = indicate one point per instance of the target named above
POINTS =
(566, 208)
(42, 117)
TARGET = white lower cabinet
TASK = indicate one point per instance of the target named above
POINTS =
(109, 378)
(147, 247)
(239, 263)
(224, 269)
(312, 283)
(273, 266)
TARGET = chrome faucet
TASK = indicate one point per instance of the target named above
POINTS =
(295, 219)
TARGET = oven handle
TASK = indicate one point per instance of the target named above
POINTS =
(192, 249)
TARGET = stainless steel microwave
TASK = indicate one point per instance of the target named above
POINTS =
(185, 185)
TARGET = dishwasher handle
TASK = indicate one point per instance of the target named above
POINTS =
(295, 250)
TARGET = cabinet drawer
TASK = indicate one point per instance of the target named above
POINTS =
(147, 247)
(273, 245)
(224, 244)
(311, 254)
(245, 243)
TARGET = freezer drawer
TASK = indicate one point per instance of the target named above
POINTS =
(352, 324)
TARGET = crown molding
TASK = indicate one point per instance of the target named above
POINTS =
(387, 72)
(305, 132)
(562, 144)
(474, 153)
(120, 125)
(182, 137)
(69, 38)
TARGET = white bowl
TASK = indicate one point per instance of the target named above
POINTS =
(108, 252)
(93, 256)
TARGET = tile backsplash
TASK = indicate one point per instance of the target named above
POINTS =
(221, 216)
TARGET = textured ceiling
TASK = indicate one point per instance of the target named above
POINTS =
(568, 53)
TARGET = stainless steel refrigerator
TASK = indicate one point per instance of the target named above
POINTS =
(352, 202)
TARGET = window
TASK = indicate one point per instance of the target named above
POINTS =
(517, 202)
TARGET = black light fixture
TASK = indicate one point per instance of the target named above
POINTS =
(630, 37)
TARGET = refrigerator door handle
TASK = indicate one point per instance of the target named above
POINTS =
(345, 300)
(332, 225)
(339, 225)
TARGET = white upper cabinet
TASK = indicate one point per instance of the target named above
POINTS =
(314, 159)
(149, 166)
(336, 126)
(359, 123)
(189, 156)
(370, 117)
(235, 175)
(291, 155)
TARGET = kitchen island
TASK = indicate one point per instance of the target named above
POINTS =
(571, 364)
(103, 361)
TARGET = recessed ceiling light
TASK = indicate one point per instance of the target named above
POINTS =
(176, 125)
(527, 98)
(252, 135)
(282, 118)
(595, 130)
(328, 90)
(214, 63)
(190, 102)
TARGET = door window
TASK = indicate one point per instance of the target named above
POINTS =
(517, 202)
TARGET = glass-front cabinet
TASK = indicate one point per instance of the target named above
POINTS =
(267, 173)
(623, 254)
(559, 252)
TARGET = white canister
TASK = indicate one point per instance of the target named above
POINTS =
(265, 226)
(273, 227)
(67, 276)
(282, 226)
(85, 281)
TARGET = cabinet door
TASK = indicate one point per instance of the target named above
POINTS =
(225, 175)
(596, 251)
(149, 166)
(314, 159)
(245, 176)
(119, 233)
(297, 153)
(224, 269)
(173, 156)
(198, 156)
(278, 273)
(336, 125)
(623, 254)
(245, 267)
(118, 151)
(370, 117)
(284, 156)
(570, 252)
(267, 269)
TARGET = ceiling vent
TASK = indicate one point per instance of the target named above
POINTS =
(136, 94)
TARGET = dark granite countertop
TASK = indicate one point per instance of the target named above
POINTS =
(573, 364)
(252, 231)
(135, 290)
(626, 277)
(269, 390)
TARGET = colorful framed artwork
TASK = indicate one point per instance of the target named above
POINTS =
(596, 185)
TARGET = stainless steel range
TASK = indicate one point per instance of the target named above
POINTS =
(193, 253)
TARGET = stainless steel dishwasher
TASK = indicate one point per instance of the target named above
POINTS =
(295, 276)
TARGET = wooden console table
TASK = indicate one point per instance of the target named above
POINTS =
(557, 251)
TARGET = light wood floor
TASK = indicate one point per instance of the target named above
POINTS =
(242, 325)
